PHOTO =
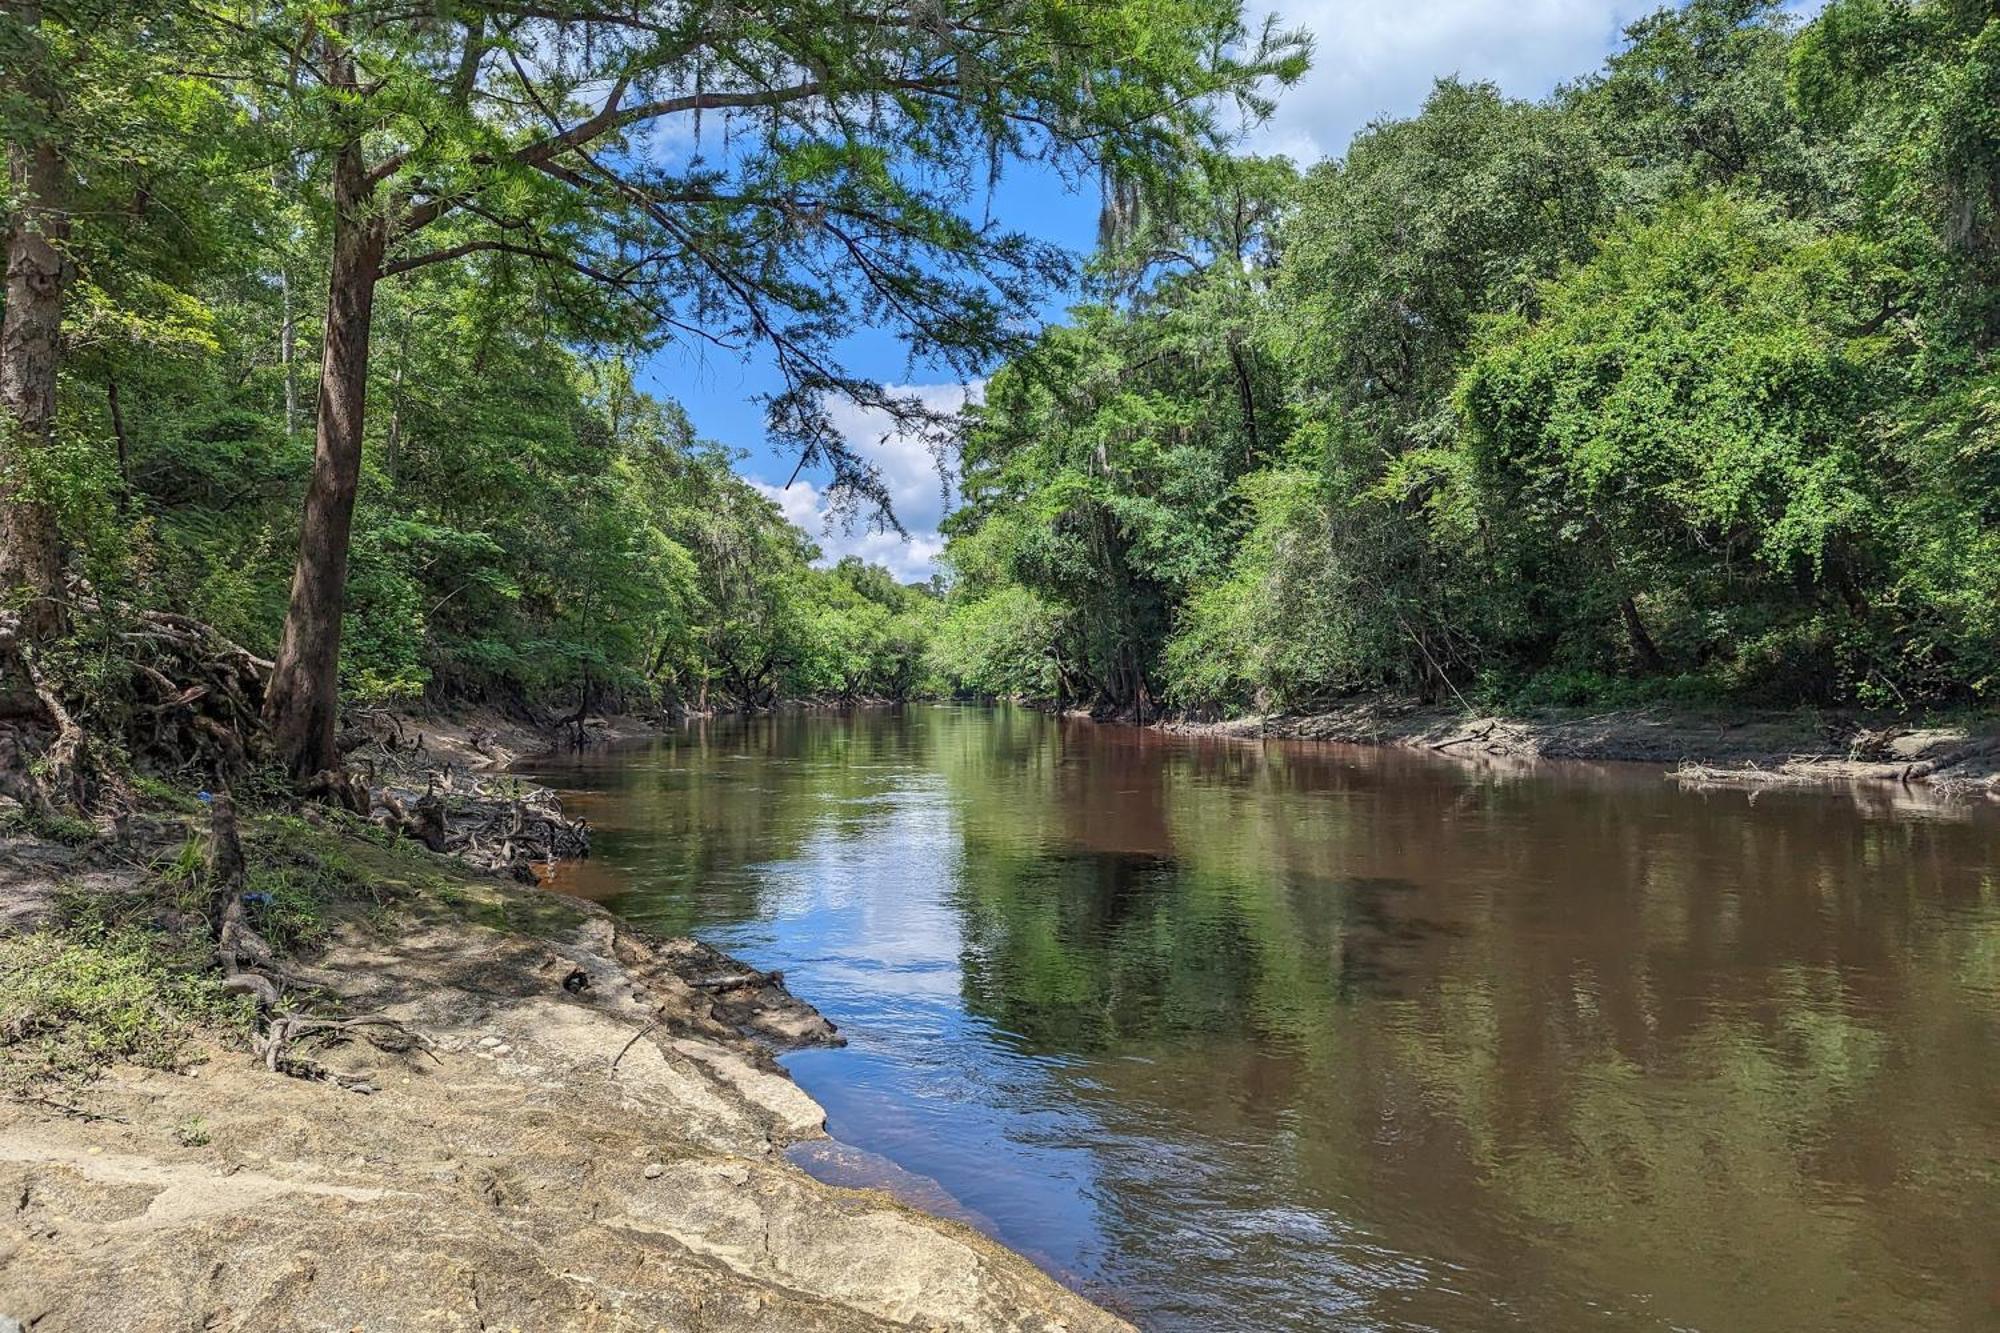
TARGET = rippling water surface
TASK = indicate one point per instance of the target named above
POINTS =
(1252, 1037)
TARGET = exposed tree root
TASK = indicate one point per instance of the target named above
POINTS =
(189, 701)
(47, 761)
(245, 957)
(381, 1031)
(490, 822)
(193, 705)
(248, 968)
(197, 695)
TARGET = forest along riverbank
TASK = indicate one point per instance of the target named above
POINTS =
(506, 1108)
(1738, 746)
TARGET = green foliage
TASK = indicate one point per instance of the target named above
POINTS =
(998, 646)
(1679, 384)
(55, 826)
(1912, 91)
(71, 1002)
(563, 149)
(531, 524)
(1686, 420)
(1279, 630)
(1680, 379)
(1700, 99)
(1100, 471)
(535, 190)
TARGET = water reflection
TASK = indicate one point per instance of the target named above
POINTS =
(1284, 1036)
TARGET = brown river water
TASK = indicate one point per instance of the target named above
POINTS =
(1288, 1036)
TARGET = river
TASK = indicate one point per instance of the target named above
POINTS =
(1238, 1036)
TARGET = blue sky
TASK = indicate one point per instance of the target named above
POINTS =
(1373, 58)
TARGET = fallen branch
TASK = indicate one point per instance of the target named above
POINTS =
(1750, 775)
(64, 1108)
(1468, 736)
(634, 1042)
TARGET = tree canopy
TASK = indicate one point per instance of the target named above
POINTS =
(1679, 382)
(328, 324)
(474, 217)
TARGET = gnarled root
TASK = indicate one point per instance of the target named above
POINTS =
(336, 786)
(381, 1031)
(47, 762)
(247, 967)
(482, 823)
(190, 701)
(197, 696)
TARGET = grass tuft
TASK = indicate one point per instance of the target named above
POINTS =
(75, 1000)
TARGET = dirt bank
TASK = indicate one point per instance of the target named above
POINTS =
(1742, 746)
(585, 1133)
(480, 738)
(1720, 746)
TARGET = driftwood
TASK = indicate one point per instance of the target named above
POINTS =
(1750, 774)
(490, 821)
(1477, 734)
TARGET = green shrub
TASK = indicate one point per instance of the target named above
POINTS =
(74, 1001)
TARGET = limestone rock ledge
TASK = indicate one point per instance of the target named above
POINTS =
(512, 1176)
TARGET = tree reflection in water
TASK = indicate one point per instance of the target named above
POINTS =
(1282, 1036)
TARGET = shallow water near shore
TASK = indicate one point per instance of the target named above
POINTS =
(1239, 1036)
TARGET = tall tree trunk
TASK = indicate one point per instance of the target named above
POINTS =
(1246, 397)
(303, 703)
(392, 451)
(37, 277)
(124, 443)
(288, 345)
(1649, 653)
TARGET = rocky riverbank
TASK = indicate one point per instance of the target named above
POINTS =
(500, 1109)
(1722, 747)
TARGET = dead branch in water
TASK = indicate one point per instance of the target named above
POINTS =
(1692, 774)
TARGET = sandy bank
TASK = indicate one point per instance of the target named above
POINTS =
(1740, 746)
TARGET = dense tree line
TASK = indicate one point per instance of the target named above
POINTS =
(1681, 382)
(318, 316)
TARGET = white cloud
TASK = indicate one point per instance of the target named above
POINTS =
(1380, 59)
(920, 494)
